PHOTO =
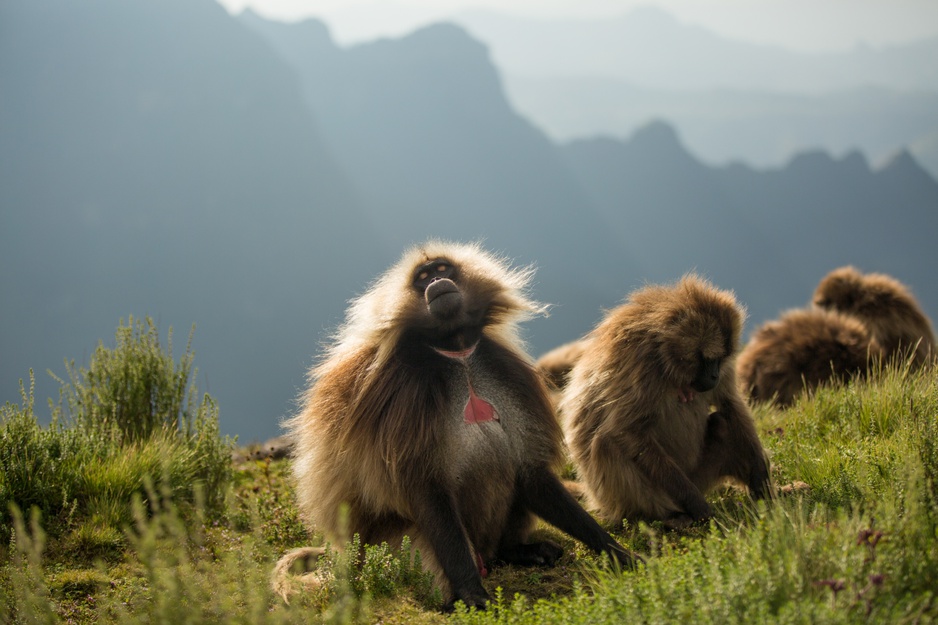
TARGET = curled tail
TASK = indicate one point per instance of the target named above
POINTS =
(297, 569)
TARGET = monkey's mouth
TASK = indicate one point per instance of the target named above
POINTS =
(685, 394)
(457, 355)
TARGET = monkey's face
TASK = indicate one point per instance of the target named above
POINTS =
(696, 351)
(450, 320)
(700, 370)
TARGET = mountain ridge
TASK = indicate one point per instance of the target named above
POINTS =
(254, 182)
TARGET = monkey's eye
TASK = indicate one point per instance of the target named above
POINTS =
(433, 270)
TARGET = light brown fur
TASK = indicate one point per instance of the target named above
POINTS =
(802, 350)
(382, 428)
(645, 445)
(886, 306)
(558, 362)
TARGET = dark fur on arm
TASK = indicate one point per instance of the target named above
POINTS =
(545, 496)
(739, 440)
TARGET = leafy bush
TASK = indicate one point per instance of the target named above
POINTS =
(40, 468)
(129, 417)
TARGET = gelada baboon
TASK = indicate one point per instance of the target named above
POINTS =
(886, 306)
(652, 414)
(427, 419)
(556, 364)
(802, 350)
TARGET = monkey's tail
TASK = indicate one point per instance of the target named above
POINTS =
(296, 570)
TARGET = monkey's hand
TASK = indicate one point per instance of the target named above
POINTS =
(624, 558)
(544, 553)
(476, 598)
(759, 485)
(696, 506)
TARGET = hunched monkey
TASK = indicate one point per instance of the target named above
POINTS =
(652, 414)
(886, 306)
(801, 350)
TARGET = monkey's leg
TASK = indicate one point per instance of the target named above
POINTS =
(436, 517)
(541, 492)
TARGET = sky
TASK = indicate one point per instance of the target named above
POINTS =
(803, 25)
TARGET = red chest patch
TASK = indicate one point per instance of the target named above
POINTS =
(478, 410)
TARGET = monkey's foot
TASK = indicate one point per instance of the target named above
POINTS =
(678, 521)
(544, 553)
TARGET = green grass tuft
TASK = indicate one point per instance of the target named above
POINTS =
(129, 417)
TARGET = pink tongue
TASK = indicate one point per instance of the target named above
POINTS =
(478, 410)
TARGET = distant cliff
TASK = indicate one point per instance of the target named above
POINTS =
(164, 158)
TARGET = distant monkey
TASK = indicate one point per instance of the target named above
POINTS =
(886, 306)
(427, 419)
(802, 350)
(557, 363)
(652, 414)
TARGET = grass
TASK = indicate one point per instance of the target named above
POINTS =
(154, 530)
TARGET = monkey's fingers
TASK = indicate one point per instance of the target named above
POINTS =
(477, 598)
(625, 559)
(697, 507)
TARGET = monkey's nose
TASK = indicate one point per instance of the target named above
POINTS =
(443, 298)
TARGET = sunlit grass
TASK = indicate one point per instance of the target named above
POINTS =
(132, 537)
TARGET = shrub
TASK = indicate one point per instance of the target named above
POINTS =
(40, 468)
(130, 416)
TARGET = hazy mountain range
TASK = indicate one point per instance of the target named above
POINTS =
(729, 100)
(165, 158)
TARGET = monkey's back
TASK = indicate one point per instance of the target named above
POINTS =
(886, 306)
(602, 409)
(897, 321)
(802, 349)
(558, 362)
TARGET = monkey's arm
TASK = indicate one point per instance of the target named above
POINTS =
(543, 494)
(744, 448)
(661, 470)
(437, 519)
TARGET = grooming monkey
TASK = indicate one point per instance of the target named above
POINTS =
(427, 419)
(802, 350)
(886, 306)
(652, 414)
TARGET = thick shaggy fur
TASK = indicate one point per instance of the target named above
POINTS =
(556, 364)
(802, 350)
(886, 306)
(646, 445)
(383, 428)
